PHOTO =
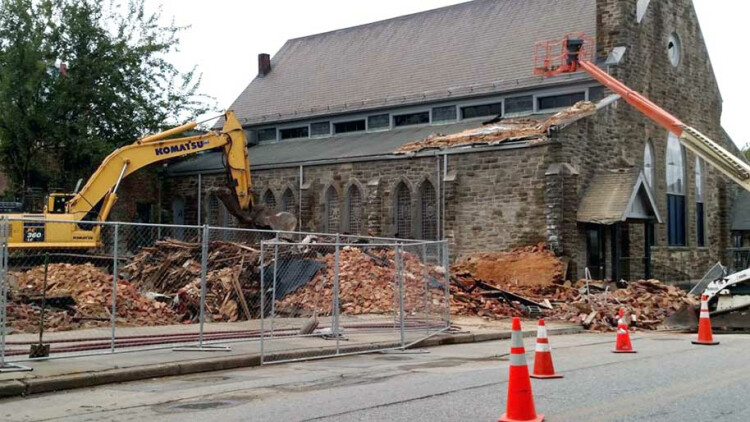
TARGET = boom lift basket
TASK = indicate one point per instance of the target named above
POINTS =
(562, 56)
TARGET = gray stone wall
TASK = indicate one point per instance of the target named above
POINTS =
(616, 137)
(496, 202)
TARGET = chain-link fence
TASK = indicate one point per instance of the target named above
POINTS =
(354, 294)
(79, 288)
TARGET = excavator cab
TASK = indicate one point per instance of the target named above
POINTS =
(56, 202)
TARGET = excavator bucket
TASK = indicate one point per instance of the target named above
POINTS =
(686, 318)
(257, 217)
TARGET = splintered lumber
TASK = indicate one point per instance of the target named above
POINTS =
(173, 268)
(238, 288)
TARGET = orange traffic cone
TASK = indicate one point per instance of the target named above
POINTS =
(543, 367)
(705, 334)
(520, 405)
(623, 335)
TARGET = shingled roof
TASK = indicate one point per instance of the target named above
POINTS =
(483, 46)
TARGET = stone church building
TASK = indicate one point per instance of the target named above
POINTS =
(329, 115)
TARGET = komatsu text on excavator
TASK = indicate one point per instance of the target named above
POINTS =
(729, 296)
(93, 203)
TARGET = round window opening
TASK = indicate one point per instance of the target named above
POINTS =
(674, 48)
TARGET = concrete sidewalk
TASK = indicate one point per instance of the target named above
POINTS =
(86, 371)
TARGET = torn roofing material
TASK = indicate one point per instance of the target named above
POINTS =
(506, 130)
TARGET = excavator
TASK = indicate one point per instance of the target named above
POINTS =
(729, 295)
(69, 219)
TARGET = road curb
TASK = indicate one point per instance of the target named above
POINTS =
(23, 387)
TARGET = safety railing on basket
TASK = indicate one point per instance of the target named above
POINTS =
(290, 295)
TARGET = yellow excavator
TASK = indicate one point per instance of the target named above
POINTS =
(93, 203)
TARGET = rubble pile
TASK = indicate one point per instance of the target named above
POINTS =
(648, 304)
(468, 300)
(173, 268)
(648, 301)
(367, 285)
(162, 285)
(529, 265)
(84, 293)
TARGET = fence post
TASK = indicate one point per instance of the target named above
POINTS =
(400, 275)
(262, 299)
(273, 287)
(200, 188)
(114, 286)
(447, 269)
(4, 285)
(3, 293)
(335, 303)
(426, 278)
(204, 269)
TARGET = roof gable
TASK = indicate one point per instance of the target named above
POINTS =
(616, 196)
(475, 47)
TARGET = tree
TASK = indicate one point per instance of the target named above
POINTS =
(746, 152)
(79, 79)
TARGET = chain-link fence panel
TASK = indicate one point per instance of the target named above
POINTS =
(346, 295)
(120, 287)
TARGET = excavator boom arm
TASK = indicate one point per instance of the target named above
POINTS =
(129, 159)
(711, 152)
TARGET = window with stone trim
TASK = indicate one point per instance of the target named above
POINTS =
(675, 192)
(700, 186)
(402, 211)
(269, 200)
(332, 210)
(428, 211)
(287, 201)
(354, 210)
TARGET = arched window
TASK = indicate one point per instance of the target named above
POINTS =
(700, 186)
(428, 211)
(269, 200)
(332, 210)
(648, 164)
(675, 192)
(402, 212)
(287, 202)
(354, 210)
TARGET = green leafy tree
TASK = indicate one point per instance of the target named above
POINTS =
(57, 124)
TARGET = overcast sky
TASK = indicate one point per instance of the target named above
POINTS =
(226, 36)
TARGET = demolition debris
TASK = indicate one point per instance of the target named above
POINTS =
(161, 285)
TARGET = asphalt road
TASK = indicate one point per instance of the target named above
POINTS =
(668, 380)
